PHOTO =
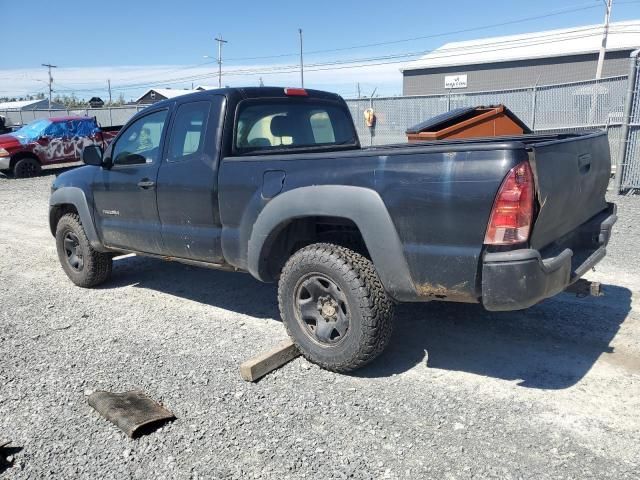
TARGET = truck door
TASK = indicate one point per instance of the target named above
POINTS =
(188, 181)
(55, 142)
(86, 132)
(126, 211)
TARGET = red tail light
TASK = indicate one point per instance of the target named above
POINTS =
(296, 92)
(512, 213)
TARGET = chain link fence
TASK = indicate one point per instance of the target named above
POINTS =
(629, 152)
(611, 103)
(572, 106)
(106, 116)
(568, 107)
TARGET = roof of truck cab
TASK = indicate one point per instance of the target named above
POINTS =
(68, 118)
(250, 92)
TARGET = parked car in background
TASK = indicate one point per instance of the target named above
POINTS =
(3, 126)
(50, 141)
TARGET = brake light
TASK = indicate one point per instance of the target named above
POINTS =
(296, 92)
(512, 213)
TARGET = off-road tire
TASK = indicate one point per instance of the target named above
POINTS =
(96, 266)
(369, 307)
(27, 167)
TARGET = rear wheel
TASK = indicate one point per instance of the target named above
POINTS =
(334, 307)
(85, 266)
(26, 167)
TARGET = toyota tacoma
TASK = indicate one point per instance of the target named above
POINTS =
(274, 182)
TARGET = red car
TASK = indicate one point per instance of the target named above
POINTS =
(50, 141)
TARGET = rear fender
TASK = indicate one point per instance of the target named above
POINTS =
(362, 206)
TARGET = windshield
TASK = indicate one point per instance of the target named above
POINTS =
(32, 132)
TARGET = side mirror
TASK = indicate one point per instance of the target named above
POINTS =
(92, 155)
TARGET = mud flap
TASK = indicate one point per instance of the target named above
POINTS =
(133, 412)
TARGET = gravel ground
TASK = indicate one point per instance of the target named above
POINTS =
(551, 392)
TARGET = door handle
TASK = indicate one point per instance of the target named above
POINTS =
(146, 183)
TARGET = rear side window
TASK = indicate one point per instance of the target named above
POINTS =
(59, 129)
(188, 133)
(84, 128)
(286, 125)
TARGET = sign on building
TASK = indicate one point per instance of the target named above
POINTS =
(455, 81)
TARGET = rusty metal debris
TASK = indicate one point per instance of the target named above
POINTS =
(133, 412)
(585, 288)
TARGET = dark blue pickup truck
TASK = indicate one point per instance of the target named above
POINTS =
(274, 182)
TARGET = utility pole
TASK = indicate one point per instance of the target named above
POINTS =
(301, 61)
(110, 103)
(49, 66)
(605, 33)
(220, 42)
(358, 87)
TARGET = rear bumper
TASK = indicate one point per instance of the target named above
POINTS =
(521, 278)
(5, 163)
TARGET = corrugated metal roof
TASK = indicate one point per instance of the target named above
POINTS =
(545, 44)
(19, 105)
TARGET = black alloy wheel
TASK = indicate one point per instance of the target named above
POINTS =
(73, 250)
(334, 306)
(322, 309)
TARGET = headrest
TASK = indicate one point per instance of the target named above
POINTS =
(281, 126)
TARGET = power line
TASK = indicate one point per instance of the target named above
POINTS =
(580, 7)
(439, 53)
(577, 33)
(532, 40)
(572, 9)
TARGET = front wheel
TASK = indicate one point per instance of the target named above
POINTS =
(26, 167)
(334, 307)
(85, 266)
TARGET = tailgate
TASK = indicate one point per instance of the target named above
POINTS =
(571, 176)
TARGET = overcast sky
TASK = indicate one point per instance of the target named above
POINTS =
(142, 44)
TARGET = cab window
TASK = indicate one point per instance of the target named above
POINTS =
(140, 142)
(288, 125)
(84, 128)
(188, 132)
(58, 129)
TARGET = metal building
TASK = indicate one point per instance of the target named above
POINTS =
(25, 105)
(154, 95)
(517, 61)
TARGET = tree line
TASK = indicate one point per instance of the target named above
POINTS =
(69, 101)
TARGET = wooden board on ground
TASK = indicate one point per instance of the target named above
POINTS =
(266, 362)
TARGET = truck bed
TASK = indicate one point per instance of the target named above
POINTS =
(525, 139)
(438, 194)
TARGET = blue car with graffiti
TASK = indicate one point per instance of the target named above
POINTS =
(49, 141)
